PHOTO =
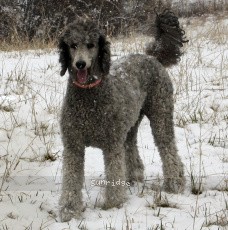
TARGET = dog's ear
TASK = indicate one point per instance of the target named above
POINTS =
(64, 56)
(104, 55)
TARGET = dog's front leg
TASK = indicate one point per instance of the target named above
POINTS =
(73, 175)
(114, 159)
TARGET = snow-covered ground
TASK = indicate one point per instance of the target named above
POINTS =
(31, 93)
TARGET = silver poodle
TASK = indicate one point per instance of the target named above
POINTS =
(103, 108)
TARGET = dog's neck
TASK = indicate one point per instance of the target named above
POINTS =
(89, 85)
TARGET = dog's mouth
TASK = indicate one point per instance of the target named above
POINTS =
(85, 80)
(82, 76)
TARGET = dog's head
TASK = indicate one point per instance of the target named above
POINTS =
(84, 51)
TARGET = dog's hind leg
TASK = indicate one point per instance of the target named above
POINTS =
(159, 109)
(134, 165)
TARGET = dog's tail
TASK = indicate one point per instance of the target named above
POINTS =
(169, 39)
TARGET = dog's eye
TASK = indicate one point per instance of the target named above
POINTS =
(74, 46)
(90, 45)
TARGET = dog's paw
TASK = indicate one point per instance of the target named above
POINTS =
(136, 176)
(114, 200)
(108, 205)
(174, 185)
(67, 213)
(115, 195)
(71, 206)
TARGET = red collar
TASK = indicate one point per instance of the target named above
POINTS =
(88, 86)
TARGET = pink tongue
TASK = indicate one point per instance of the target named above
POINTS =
(82, 76)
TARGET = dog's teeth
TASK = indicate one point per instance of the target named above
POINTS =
(95, 77)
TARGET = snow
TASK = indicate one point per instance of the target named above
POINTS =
(31, 94)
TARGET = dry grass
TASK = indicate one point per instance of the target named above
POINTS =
(20, 44)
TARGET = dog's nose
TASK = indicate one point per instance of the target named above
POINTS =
(80, 64)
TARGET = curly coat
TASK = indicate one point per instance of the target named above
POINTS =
(103, 108)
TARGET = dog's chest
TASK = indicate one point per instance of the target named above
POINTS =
(90, 109)
(101, 115)
(99, 119)
(91, 112)
(94, 121)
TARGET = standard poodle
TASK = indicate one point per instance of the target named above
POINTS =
(104, 106)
